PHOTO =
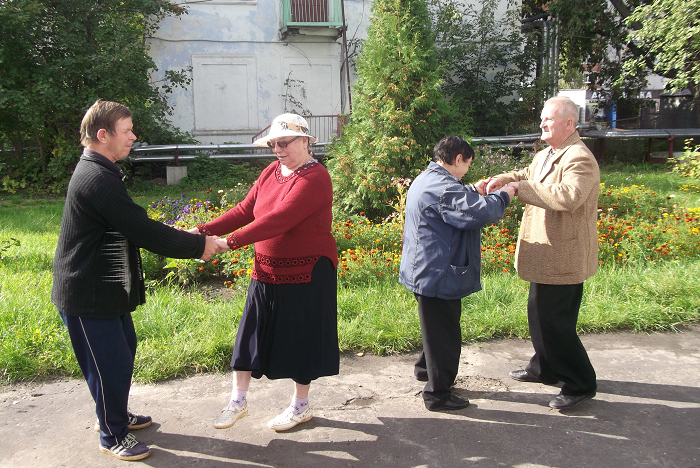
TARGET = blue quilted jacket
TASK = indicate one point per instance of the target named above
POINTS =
(442, 234)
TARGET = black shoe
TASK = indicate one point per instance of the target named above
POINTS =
(136, 421)
(451, 404)
(525, 376)
(569, 401)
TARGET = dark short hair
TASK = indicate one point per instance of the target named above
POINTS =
(102, 114)
(449, 147)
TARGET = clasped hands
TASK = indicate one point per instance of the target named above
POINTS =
(486, 186)
(214, 245)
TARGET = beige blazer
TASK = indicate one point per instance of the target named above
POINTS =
(558, 239)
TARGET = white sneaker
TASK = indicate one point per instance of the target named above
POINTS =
(230, 414)
(288, 419)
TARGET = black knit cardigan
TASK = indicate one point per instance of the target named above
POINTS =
(97, 267)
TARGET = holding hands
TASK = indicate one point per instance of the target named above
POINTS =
(486, 186)
(214, 245)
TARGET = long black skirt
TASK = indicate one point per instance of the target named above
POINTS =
(290, 330)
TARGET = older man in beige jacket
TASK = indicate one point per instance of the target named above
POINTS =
(557, 251)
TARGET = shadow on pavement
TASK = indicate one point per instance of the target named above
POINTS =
(598, 433)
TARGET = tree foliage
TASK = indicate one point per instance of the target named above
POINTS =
(593, 40)
(399, 110)
(489, 64)
(56, 59)
(669, 34)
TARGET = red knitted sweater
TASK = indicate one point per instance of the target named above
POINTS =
(289, 221)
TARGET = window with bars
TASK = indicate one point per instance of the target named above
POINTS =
(311, 13)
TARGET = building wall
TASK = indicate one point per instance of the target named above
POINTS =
(240, 64)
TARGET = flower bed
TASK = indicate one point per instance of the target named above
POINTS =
(635, 225)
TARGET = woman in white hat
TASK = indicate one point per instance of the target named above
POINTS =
(289, 323)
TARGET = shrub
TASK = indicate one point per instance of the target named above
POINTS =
(491, 160)
(689, 165)
(205, 171)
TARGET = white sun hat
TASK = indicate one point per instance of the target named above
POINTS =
(287, 125)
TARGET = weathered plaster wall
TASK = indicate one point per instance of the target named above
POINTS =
(240, 64)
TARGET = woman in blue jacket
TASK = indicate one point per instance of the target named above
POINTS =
(441, 260)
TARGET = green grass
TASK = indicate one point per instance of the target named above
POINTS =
(654, 176)
(184, 331)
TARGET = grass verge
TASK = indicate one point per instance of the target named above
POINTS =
(184, 331)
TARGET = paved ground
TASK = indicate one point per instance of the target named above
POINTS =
(646, 414)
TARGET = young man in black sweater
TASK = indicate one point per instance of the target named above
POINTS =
(97, 274)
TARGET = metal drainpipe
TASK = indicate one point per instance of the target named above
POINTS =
(345, 46)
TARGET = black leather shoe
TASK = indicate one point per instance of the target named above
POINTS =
(569, 401)
(524, 376)
(451, 404)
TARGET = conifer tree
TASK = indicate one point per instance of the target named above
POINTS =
(399, 110)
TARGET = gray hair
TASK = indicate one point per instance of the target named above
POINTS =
(565, 107)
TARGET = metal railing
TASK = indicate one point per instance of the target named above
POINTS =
(307, 13)
(177, 153)
(323, 127)
(166, 153)
(509, 141)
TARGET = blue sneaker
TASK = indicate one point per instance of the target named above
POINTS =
(128, 449)
(136, 421)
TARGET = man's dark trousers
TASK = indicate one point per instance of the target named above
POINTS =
(552, 313)
(105, 349)
(442, 345)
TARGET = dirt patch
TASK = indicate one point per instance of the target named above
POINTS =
(477, 383)
(216, 288)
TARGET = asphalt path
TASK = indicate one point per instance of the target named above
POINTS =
(646, 414)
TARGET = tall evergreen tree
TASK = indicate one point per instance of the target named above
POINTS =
(399, 110)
